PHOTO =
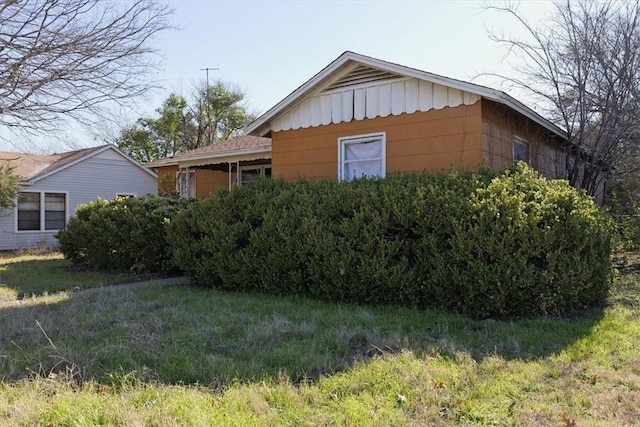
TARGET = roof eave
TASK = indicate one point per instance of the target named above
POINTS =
(208, 156)
(261, 125)
(296, 95)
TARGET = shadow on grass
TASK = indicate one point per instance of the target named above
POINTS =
(41, 276)
(191, 335)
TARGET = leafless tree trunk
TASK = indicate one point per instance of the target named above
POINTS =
(74, 58)
(582, 68)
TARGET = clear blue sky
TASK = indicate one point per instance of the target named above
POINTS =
(269, 48)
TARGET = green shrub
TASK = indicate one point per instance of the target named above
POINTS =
(482, 244)
(623, 203)
(123, 234)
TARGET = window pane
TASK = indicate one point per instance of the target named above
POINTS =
(28, 211)
(362, 159)
(249, 176)
(363, 150)
(360, 169)
(520, 151)
(54, 214)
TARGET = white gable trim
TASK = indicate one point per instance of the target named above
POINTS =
(391, 96)
(90, 154)
(332, 72)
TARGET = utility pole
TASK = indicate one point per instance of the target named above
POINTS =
(209, 133)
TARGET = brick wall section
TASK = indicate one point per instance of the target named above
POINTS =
(435, 141)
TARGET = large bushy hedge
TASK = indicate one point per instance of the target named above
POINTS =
(623, 204)
(122, 234)
(485, 245)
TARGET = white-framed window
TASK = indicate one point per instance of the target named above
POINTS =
(125, 195)
(186, 183)
(520, 150)
(361, 156)
(251, 174)
(41, 211)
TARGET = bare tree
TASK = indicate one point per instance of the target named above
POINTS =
(582, 68)
(73, 59)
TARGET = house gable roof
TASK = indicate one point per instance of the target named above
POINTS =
(354, 71)
(245, 145)
(35, 167)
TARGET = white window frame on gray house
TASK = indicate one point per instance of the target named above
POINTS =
(358, 159)
(519, 145)
(44, 214)
(125, 194)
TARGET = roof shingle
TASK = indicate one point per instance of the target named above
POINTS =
(29, 166)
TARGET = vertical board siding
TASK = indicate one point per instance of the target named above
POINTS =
(398, 105)
(325, 108)
(425, 95)
(440, 97)
(372, 105)
(501, 126)
(316, 115)
(434, 141)
(102, 175)
(379, 99)
(347, 106)
(412, 95)
(305, 112)
(336, 108)
(359, 101)
(385, 100)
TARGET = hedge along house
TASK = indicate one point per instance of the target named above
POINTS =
(52, 186)
(362, 116)
(200, 172)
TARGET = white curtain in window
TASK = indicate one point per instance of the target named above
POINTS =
(368, 168)
(363, 151)
(362, 160)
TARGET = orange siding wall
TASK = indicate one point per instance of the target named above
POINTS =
(501, 125)
(434, 141)
(167, 179)
(208, 181)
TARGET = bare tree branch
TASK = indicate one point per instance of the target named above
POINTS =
(582, 68)
(74, 58)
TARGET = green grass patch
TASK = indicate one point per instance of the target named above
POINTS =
(191, 356)
(32, 274)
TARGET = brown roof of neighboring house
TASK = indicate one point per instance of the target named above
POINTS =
(26, 165)
(33, 166)
(29, 166)
(218, 151)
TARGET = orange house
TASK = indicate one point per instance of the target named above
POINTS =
(362, 116)
(200, 172)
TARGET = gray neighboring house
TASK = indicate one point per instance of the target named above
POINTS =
(52, 186)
